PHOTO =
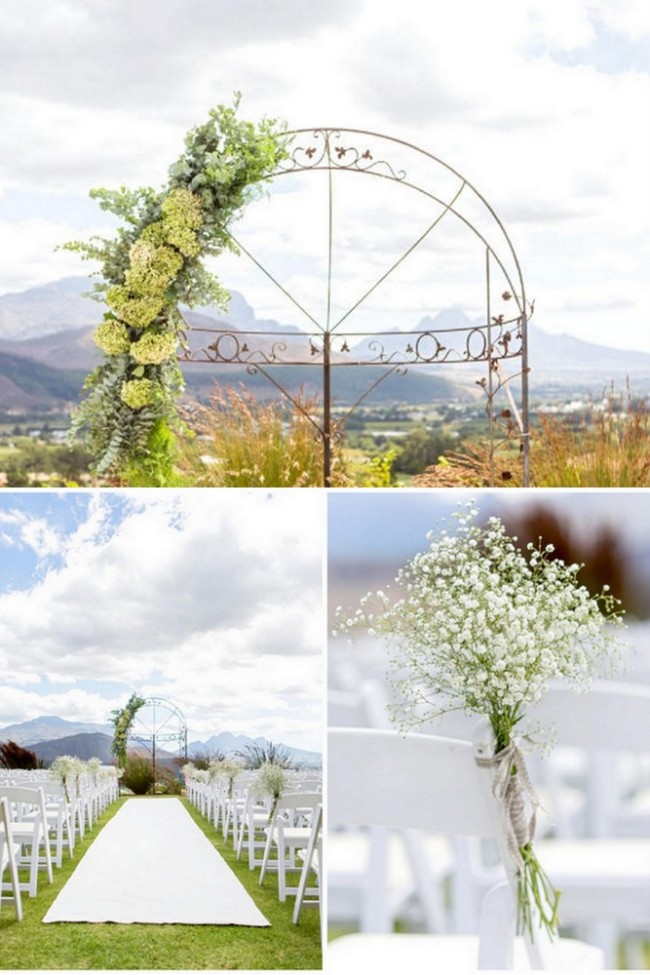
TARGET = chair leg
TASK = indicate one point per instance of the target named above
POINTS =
(282, 874)
(33, 870)
(47, 854)
(302, 887)
(251, 848)
(58, 847)
(240, 838)
(14, 884)
(267, 853)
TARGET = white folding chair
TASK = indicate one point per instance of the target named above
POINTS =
(252, 824)
(30, 831)
(312, 858)
(424, 782)
(377, 876)
(8, 852)
(59, 815)
(288, 832)
(604, 878)
(233, 805)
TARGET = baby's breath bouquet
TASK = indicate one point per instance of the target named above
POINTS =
(482, 627)
(271, 780)
(67, 768)
(226, 767)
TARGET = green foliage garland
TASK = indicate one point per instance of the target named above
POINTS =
(153, 265)
(123, 719)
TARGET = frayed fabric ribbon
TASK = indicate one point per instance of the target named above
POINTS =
(511, 785)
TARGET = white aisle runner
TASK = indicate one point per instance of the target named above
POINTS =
(152, 864)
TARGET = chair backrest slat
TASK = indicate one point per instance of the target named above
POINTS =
(378, 778)
(612, 716)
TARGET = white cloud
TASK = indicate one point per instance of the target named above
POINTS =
(204, 597)
(626, 17)
(553, 145)
(30, 252)
(18, 704)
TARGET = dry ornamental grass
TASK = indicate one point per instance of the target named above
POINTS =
(244, 442)
(608, 446)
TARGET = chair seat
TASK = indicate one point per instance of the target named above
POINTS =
(444, 953)
(294, 835)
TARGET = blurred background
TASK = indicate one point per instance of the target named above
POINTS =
(594, 832)
(373, 534)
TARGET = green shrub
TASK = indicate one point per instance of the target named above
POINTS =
(167, 782)
(138, 774)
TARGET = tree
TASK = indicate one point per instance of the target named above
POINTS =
(14, 756)
(422, 448)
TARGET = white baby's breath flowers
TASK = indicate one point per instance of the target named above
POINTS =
(483, 627)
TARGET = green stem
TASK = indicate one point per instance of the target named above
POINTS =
(533, 884)
(534, 887)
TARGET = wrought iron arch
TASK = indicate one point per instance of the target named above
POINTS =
(160, 724)
(497, 339)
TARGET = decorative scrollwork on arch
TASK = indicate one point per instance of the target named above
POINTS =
(330, 338)
(328, 151)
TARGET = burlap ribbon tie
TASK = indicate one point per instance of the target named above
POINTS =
(511, 785)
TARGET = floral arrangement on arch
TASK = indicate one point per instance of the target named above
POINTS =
(123, 719)
(482, 627)
(154, 264)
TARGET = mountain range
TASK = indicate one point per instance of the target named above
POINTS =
(46, 351)
(46, 339)
(49, 736)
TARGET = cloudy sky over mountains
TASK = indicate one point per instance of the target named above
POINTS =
(210, 599)
(541, 104)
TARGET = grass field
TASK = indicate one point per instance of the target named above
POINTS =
(33, 945)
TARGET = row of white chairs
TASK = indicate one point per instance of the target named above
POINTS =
(89, 794)
(604, 877)
(280, 837)
(40, 821)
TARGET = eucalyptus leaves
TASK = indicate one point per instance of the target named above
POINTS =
(152, 266)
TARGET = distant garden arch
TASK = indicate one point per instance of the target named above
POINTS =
(158, 725)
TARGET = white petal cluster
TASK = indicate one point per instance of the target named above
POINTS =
(483, 626)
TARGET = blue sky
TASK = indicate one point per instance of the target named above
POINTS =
(541, 104)
(371, 535)
(391, 526)
(210, 599)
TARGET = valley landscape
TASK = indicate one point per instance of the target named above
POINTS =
(47, 350)
(50, 736)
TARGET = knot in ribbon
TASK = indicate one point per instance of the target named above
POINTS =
(511, 785)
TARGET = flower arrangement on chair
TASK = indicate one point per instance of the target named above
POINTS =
(482, 627)
(272, 780)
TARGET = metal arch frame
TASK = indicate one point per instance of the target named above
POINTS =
(156, 736)
(497, 339)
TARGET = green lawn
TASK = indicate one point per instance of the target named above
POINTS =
(33, 945)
